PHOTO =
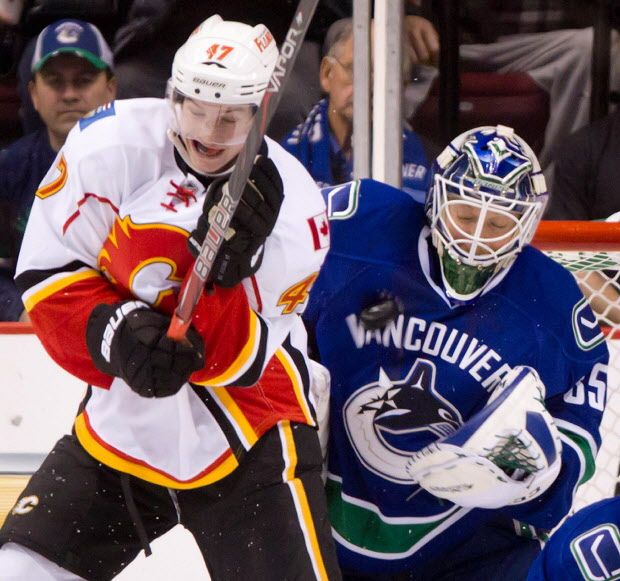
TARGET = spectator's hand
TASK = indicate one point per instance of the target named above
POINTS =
(423, 41)
(10, 11)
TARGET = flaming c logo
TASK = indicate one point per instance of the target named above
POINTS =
(149, 260)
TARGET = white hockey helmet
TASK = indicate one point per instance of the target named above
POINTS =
(485, 202)
(222, 70)
(225, 62)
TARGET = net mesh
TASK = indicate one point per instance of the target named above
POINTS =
(591, 252)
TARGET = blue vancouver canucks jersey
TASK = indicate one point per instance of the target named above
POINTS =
(585, 548)
(397, 389)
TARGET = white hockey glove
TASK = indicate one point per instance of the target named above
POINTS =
(319, 391)
(506, 454)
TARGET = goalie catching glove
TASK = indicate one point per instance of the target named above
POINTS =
(506, 454)
(128, 340)
(241, 254)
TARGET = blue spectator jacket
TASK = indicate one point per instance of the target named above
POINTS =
(22, 167)
(313, 143)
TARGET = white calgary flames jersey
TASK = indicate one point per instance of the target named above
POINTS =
(110, 222)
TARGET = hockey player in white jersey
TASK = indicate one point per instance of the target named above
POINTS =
(217, 433)
(468, 371)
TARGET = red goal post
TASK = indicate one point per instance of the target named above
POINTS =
(591, 251)
(577, 235)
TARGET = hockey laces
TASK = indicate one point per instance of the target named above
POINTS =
(181, 194)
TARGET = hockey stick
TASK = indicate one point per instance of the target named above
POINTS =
(232, 191)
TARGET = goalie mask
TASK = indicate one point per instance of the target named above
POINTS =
(218, 80)
(484, 205)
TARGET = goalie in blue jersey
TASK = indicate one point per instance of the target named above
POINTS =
(468, 373)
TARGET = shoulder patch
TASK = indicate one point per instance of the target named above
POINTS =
(587, 332)
(342, 201)
(57, 183)
(106, 110)
(597, 553)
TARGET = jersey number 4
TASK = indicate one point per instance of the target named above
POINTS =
(296, 294)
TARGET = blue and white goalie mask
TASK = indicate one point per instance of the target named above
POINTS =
(485, 202)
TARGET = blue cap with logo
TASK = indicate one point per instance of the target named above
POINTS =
(74, 37)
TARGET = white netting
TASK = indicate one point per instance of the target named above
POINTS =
(591, 251)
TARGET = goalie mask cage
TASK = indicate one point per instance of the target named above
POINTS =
(591, 252)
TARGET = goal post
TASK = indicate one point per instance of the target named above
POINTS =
(577, 235)
(591, 252)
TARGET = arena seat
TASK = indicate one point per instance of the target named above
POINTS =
(488, 98)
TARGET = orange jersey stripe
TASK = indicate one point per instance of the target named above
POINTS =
(54, 287)
(117, 460)
(244, 358)
(57, 184)
(278, 395)
(301, 501)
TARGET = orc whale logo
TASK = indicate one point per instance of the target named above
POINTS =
(388, 420)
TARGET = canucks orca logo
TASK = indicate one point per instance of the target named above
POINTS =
(388, 420)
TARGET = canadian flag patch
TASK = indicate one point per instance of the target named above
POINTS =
(319, 227)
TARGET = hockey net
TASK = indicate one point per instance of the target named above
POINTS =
(591, 252)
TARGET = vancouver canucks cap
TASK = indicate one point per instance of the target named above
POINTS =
(74, 37)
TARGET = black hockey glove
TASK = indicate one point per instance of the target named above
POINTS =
(241, 253)
(128, 340)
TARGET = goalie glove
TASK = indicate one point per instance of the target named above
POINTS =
(506, 454)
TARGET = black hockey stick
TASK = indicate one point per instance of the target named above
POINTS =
(232, 191)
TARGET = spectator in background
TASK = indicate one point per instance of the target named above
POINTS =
(586, 183)
(72, 74)
(152, 30)
(586, 186)
(323, 141)
(146, 42)
(106, 15)
(551, 40)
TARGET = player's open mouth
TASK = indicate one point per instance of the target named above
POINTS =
(206, 150)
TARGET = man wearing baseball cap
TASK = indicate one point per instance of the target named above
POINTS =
(72, 74)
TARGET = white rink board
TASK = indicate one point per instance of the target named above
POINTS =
(38, 401)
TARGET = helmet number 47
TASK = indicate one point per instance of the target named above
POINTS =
(218, 51)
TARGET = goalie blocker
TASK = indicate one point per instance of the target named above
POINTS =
(507, 454)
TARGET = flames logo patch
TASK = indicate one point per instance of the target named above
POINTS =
(147, 260)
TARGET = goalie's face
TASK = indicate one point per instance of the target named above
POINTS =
(477, 235)
(477, 231)
(483, 207)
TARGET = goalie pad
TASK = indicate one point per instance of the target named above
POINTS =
(506, 454)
